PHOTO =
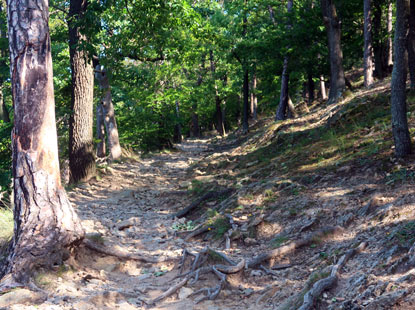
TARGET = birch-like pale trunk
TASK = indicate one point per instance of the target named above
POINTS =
(368, 48)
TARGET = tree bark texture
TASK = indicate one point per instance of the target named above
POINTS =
(411, 43)
(332, 22)
(368, 48)
(45, 224)
(283, 104)
(310, 88)
(108, 111)
(398, 84)
(81, 147)
(389, 21)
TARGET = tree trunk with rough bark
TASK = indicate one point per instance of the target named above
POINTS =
(46, 226)
(398, 85)
(389, 22)
(110, 122)
(333, 26)
(310, 88)
(81, 146)
(283, 105)
(368, 48)
(245, 114)
(411, 43)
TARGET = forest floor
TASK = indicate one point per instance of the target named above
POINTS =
(320, 191)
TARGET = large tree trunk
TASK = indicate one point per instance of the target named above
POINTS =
(81, 146)
(45, 224)
(109, 114)
(411, 43)
(332, 22)
(368, 52)
(389, 21)
(398, 85)
(282, 106)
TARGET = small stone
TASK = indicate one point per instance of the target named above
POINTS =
(250, 241)
(185, 292)
(248, 292)
(325, 295)
(20, 296)
(256, 273)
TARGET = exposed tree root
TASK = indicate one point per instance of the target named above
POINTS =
(196, 203)
(324, 284)
(120, 253)
(196, 270)
(292, 246)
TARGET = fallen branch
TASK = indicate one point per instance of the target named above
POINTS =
(292, 246)
(196, 203)
(324, 284)
(120, 253)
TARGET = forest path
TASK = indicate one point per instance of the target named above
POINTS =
(128, 207)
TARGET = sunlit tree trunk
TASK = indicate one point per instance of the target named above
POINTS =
(45, 224)
(368, 49)
(101, 147)
(108, 111)
(332, 22)
(398, 85)
(323, 88)
(81, 146)
(389, 22)
(254, 98)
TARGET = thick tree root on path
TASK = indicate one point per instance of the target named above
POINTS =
(120, 253)
(324, 284)
(196, 203)
(196, 270)
(292, 246)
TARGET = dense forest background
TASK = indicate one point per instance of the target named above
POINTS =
(184, 68)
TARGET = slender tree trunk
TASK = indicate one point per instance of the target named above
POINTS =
(81, 146)
(389, 22)
(399, 74)
(411, 43)
(219, 121)
(195, 129)
(282, 106)
(245, 125)
(368, 50)
(378, 45)
(101, 147)
(254, 99)
(178, 127)
(109, 114)
(45, 224)
(310, 88)
(332, 22)
(323, 88)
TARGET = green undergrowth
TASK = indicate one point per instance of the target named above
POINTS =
(6, 230)
(359, 135)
